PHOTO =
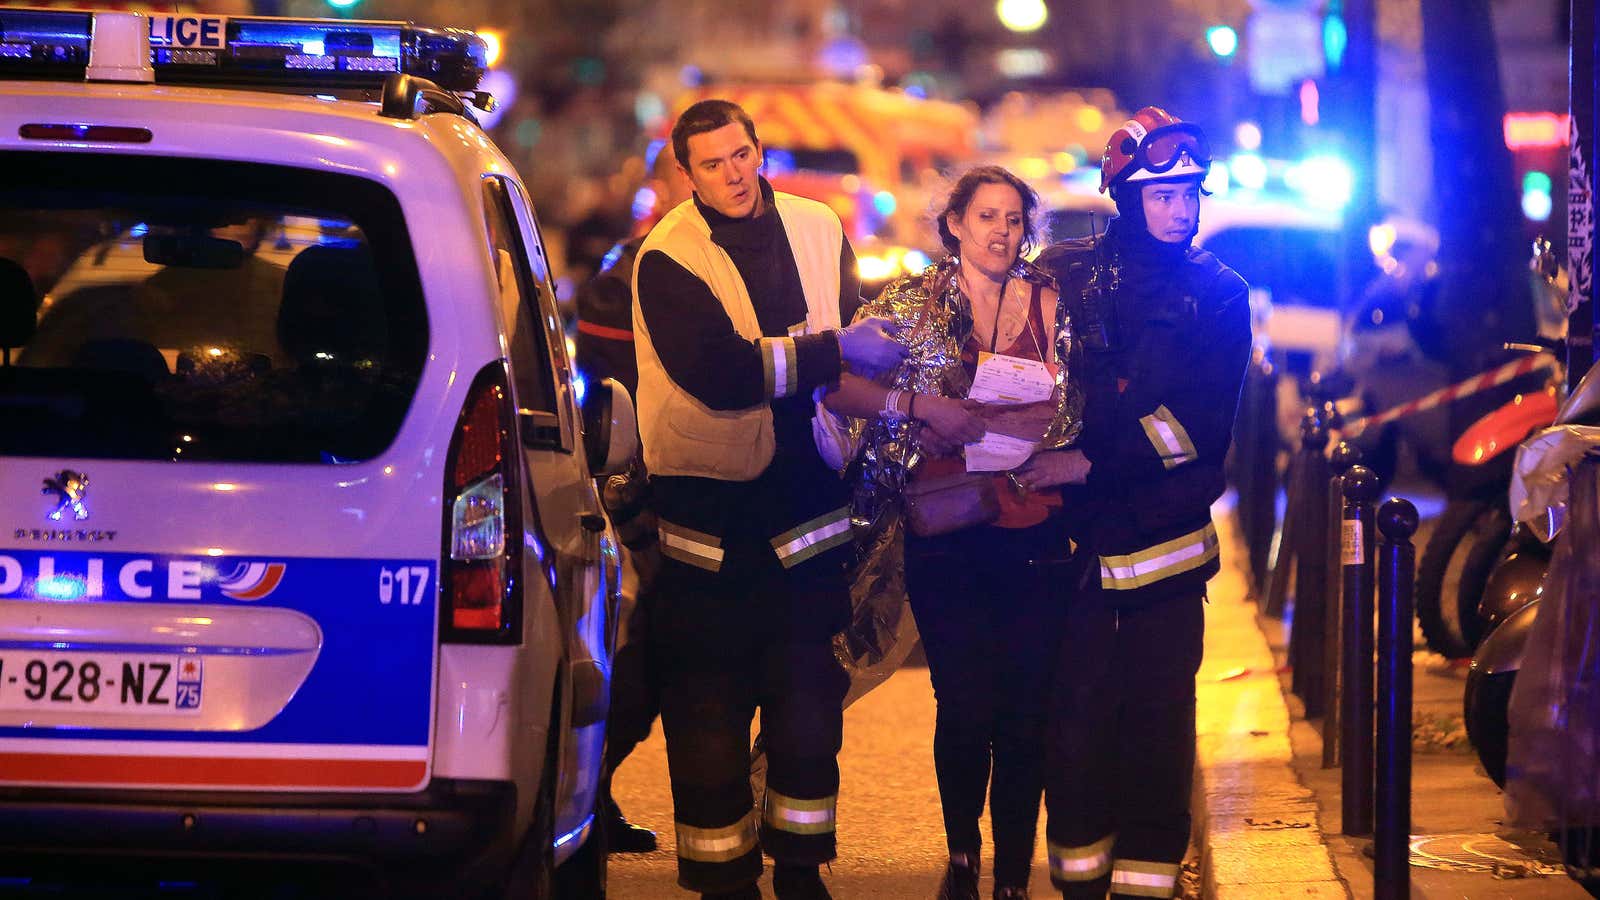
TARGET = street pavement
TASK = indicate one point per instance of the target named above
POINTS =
(891, 836)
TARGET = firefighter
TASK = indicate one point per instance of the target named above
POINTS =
(1166, 329)
(605, 350)
(740, 296)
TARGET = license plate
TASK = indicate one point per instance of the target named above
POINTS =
(100, 682)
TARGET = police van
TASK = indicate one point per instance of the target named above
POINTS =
(301, 559)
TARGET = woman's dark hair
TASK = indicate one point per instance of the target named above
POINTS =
(708, 115)
(961, 198)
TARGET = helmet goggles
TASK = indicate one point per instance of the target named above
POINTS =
(1162, 150)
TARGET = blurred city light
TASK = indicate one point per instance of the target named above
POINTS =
(1217, 182)
(1536, 201)
(916, 260)
(1224, 40)
(1022, 15)
(884, 203)
(1249, 170)
(1247, 136)
(342, 4)
(1325, 181)
(1536, 130)
(1033, 168)
(492, 43)
(1536, 206)
(1090, 119)
(1381, 239)
(1064, 162)
(1310, 102)
(1335, 39)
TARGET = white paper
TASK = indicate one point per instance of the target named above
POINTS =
(998, 453)
(1011, 380)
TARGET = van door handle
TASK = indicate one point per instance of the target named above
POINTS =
(592, 522)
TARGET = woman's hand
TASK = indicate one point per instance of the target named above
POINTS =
(954, 421)
(1053, 468)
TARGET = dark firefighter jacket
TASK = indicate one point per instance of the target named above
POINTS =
(1160, 402)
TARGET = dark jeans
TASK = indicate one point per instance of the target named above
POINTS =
(990, 625)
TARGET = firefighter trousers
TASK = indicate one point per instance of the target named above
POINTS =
(1120, 756)
(723, 650)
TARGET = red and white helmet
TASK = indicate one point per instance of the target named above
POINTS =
(1154, 145)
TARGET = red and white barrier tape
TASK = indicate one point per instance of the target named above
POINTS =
(1473, 385)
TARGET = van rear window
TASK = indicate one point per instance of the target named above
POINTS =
(203, 310)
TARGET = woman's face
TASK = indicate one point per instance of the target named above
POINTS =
(990, 231)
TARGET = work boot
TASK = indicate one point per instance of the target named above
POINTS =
(798, 883)
(748, 892)
(623, 836)
(960, 878)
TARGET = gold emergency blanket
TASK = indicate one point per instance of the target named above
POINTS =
(935, 322)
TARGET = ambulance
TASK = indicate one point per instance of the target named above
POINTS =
(304, 578)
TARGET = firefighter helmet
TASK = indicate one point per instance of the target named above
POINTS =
(1154, 145)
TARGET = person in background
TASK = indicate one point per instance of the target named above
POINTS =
(740, 295)
(605, 350)
(605, 302)
(1166, 332)
(989, 622)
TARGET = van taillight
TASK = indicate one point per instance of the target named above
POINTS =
(482, 523)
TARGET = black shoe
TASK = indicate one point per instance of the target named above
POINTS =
(960, 881)
(799, 883)
(1010, 892)
(623, 836)
(748, 892)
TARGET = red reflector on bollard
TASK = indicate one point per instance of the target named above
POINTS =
(99, 134)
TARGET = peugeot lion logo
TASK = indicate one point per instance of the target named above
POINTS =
(68, 488)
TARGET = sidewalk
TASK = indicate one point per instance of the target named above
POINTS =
(1267, 813)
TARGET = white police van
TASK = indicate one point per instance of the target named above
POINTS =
(301, 561)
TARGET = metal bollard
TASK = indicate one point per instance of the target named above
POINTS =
(1344, 456)
(1355, 557)
(1311, 574)
(1290, 536)
(1397, 567)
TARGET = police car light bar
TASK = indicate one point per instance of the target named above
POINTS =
(315, 54)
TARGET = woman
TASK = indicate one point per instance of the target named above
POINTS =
(979, 593)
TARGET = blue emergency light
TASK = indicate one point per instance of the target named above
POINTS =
(316, 54)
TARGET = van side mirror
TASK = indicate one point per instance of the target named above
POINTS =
(610, 428)
(19, 307)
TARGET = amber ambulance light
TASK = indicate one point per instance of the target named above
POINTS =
(87, 134)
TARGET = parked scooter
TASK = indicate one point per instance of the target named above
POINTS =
(1474, 536)
(1512, 600)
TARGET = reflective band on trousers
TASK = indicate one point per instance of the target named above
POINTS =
(714, 845)
(808, 539)
(799, 816)
(1144, 879)
(1184, 554)
(1081, 863)
(778, 367)
(1169, 438)
(689, 546)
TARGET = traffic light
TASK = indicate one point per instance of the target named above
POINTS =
(1536, 201)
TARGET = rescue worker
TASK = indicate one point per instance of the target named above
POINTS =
(605, 350)
(1166, 329)
(740, 296)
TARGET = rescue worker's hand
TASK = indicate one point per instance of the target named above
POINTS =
(1053, 468)
(868, 345)
(954, 421)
